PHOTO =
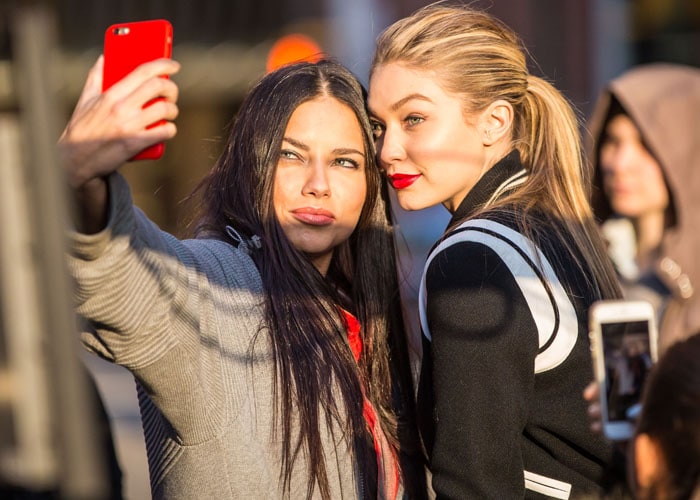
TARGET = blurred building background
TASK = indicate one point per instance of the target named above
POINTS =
(223, 46)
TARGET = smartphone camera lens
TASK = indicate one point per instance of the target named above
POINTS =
(121, 31)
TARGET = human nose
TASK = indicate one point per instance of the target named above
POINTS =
(317, 183)
(390, 148)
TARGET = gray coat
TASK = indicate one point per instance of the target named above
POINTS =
(186, 318)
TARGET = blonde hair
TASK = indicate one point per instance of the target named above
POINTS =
(478, 58)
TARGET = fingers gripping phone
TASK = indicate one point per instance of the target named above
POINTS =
(623, 343)
(126, 46)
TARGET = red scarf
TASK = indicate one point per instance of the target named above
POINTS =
(388, 468)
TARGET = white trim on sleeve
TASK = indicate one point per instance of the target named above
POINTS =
(553, 312)
(547, 486)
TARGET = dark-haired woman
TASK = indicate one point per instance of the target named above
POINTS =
(261, 347)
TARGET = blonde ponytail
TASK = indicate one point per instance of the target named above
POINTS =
(546, 134)
(477, 57)
(559, 184)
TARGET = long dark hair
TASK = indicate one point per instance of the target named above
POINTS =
(314, 365)
(671, 416)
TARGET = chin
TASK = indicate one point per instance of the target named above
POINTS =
(411, 204)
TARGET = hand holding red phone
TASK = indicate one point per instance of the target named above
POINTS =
(126, 47)
(107, 129)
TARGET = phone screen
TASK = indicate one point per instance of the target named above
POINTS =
(628, 359)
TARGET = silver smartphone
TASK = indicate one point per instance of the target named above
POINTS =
(624, 346)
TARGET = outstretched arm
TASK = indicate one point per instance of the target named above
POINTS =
(106, 129)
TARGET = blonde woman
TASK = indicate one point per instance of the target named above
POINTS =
(459, 121)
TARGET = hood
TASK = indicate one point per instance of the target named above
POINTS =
(664, 102)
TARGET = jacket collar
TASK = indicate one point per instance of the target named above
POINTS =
(503, 177)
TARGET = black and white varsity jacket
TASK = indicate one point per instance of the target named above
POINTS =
(506, 358)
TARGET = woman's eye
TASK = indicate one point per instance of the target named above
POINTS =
(377, 129)
(347, 163)
(413, 120)
(287, 154)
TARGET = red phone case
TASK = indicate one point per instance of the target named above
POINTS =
(126, 46)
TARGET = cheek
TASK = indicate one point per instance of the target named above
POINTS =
(425, 145)
(282, 193)
(277, 196)
(357, 200)
(452, 146)
(353, 199)
(655, 182)
(659, 193)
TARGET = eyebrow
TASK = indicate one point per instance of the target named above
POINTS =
(409, 97)
(397, 105)
(336, 151)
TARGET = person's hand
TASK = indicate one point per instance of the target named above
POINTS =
(106, 129)
(592, 394)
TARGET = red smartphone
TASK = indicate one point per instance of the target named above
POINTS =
(126, 46)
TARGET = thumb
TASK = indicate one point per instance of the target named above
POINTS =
(93, 84)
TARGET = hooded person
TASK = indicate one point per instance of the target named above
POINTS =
(645, 147)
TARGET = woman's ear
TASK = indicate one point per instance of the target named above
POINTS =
(648, 460)
(496, 122)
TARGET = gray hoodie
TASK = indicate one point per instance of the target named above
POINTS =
(664, 102)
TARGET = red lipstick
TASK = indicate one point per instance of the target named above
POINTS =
(402, 181)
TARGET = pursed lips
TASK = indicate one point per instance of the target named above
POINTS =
(313, 216)
(402, 181)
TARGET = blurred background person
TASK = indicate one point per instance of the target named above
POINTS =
(645, 145)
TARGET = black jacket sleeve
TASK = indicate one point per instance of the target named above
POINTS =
(484, 343)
